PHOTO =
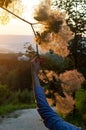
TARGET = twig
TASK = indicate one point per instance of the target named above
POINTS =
(18, 16)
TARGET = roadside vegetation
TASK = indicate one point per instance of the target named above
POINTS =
(15, 84)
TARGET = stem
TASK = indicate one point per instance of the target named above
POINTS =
(16, 16)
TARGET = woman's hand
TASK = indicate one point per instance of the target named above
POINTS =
(35, 65)
(35, 69)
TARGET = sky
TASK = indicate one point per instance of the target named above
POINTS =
(18, 27)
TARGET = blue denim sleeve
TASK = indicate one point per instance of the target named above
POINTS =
(51, 119)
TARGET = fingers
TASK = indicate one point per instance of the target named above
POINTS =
(39, 60)
(35, 64)
(36, 59)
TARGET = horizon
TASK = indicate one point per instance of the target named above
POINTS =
(14, 43)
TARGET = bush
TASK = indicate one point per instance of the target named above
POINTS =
(19, 96)
(81, 101)
(4, 94)
(20, 78)
(84, 85)
(26, 96)
(14, 98)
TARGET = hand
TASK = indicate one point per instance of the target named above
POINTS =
(35, 65)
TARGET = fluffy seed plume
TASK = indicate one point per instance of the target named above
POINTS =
(54, 33)
(52, 22)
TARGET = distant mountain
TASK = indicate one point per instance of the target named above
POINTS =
(14, 43)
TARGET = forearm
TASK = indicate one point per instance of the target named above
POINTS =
(36, 81)
(39, 92)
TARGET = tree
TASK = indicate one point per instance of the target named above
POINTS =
(76, 14)
(14, 6)
(77, 47)
(76, 20)
(53, 32)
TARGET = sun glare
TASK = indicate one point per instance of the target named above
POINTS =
(18, 27)
(29, 8)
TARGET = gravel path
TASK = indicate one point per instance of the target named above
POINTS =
(28, 119)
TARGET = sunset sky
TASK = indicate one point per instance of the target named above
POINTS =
(18, 27)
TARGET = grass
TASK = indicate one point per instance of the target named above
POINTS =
(5, 109)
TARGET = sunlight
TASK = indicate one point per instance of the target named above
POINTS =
(29, 8)
(18, 27)
(30, 2)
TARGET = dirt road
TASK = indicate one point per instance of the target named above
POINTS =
(28, 119)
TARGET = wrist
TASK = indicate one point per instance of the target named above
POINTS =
(36, 79)
(34, 74)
